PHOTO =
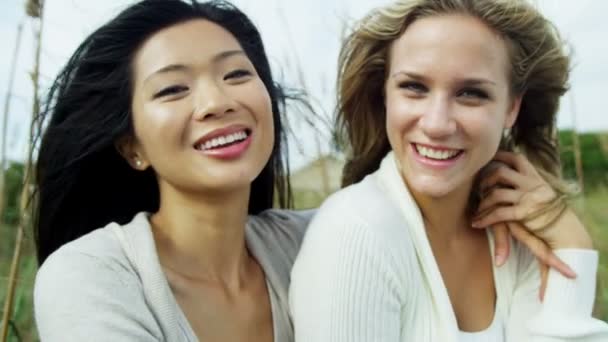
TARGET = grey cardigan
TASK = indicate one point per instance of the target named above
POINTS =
(109, 286)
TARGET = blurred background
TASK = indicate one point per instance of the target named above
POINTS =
(302, 39)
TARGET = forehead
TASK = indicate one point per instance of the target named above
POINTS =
(192, 42)
(452, 43)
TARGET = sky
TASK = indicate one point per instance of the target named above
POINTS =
(302, 40)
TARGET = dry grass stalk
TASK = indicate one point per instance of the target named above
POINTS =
(7, 102)
(24, 220)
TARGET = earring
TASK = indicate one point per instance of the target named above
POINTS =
(138, 163)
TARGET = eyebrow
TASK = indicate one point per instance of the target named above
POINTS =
(182, 67)
(464, 82)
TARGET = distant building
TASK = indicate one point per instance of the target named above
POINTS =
(322, 175)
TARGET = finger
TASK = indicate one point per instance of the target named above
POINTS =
(540, 249)
(499, 196)
(502, 245)
(502, 175)
(515, 160)
(497, 215)
(544, 275)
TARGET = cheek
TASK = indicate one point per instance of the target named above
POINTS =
(261, 105)
(158, 126)
(484, 131)
(398, 119)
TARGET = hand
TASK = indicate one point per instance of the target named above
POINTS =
(543, 253)
(501, 230)
(517, 197)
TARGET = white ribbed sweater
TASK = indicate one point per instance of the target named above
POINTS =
(366, 272)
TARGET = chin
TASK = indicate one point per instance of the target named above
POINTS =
(430, 187)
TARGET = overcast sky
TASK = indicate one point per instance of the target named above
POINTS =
(299, 35)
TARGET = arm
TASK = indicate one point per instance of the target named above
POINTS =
(538, 216)
(565, 313)
(344, 287)
(78, 297)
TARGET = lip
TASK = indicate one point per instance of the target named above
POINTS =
(433, 163)
(436, 147)
(222, 131)
(229, 152)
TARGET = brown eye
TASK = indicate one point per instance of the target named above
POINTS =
(171, 90)
(236, 74)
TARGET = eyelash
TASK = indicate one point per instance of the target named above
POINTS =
(175, 89)
(413, 86)
(171, 90)
(237, 74)
(476, 93)
(418, 88)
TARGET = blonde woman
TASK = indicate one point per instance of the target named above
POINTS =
(428, 91)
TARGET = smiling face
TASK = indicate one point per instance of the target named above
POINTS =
(447, 102)
(202, 116)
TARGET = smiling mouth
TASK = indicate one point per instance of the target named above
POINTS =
(437, 154)
(223, 140)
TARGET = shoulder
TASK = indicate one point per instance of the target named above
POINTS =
(355, 241)
(101, 246)
(281, 228)
(275, 237)
(281, 222)
(74, 270)
(98, 247)
(96, 255)
(362, 208)
(90, 285)
(356, 223)
(92, 265)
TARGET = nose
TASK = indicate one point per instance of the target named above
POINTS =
(212, 100)
(437, 121)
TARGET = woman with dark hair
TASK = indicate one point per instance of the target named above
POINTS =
(448, 110)
(164, 128)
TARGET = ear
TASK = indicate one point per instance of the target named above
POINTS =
(513, 111)
(129, 149)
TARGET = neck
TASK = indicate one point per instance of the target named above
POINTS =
(202, 236)
(446, 217)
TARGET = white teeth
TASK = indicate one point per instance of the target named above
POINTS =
(436, 154)
(223, 140)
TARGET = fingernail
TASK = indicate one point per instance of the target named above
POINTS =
(500, 259)
(572, 273)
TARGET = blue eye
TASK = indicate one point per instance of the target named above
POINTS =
(240, 73)
(474, 93)
(415, 87)
(171, 90)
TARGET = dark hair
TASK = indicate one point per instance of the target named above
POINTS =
(83, 183)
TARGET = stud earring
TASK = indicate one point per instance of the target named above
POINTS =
(138, 163)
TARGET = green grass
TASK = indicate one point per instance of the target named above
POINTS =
(593, 209)
(22, 317)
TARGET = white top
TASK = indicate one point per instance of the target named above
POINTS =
(366, 272)
(495, 332)
(109, 285)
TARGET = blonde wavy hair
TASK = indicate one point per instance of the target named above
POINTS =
(539, 71)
